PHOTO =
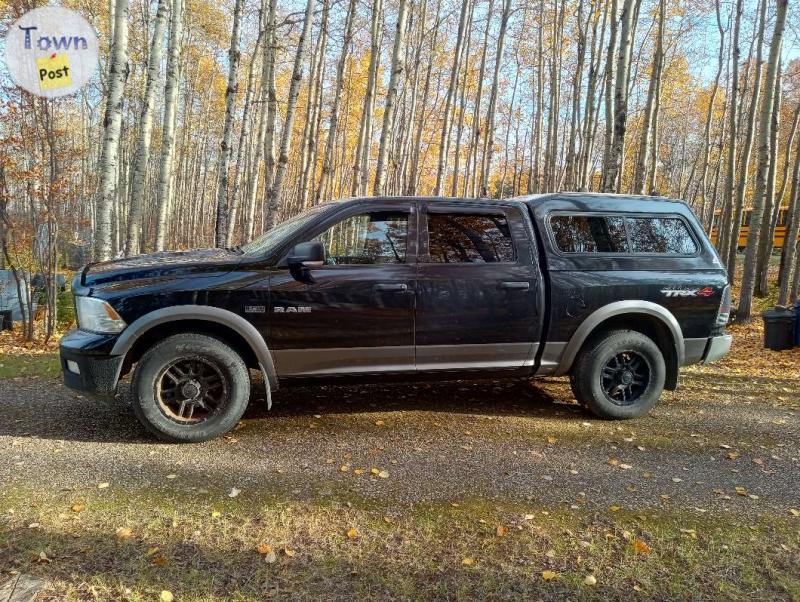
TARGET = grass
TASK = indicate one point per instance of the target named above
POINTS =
(203, 546)
(23, 365)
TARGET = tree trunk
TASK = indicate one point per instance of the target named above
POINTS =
(641, 174)
(141, 162)
(274, 193)
(112, 124)
(738, 206)
(224, 159)
(397, 70)
(327, 159)
(489, 145)
(360, 174)
(171, 91)
(771, 208)
(613, 172)
(748, 277)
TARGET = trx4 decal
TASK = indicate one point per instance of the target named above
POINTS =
(706, 291)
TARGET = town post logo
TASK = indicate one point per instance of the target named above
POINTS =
(51, 51)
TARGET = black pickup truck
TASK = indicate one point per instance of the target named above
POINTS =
(617, 292)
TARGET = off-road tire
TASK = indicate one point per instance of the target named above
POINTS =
(590, 382)
(224, 361)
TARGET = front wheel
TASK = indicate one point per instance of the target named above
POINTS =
(190, 388)
(620, 375)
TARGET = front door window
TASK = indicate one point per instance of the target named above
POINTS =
(368, 238)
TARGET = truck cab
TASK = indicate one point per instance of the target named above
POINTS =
(617, 292)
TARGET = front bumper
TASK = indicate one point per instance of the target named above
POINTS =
(717, 348)
(87, 365)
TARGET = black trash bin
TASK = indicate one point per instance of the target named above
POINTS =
(5, 319)
(779, 328)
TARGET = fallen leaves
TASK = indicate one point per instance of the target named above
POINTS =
(468, 561)
(123, 533)
(234, 492)
(590, 580)
(501, 530)
(267, 552)
(103, 485)
(166, 596)
(353, 533)
(794, 512)
(549, 575)
(78, 508)
(641, 547)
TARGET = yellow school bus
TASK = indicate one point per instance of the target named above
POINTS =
(778, 236)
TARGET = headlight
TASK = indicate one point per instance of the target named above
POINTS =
(98, 316)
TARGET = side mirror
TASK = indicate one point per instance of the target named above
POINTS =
(309, 254)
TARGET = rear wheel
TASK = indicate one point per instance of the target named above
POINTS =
(190, 388)
(620, 375)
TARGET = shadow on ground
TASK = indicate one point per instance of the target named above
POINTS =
(50, 411)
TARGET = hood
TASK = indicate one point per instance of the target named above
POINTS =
(197, 262)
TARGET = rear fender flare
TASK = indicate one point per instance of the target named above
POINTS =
(632, 307)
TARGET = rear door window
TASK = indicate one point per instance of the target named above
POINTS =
(469, 238)
(589, 233)
(662, 235)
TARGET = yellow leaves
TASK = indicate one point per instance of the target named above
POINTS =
(380, 423)
(103, 485)
(549, 575)
(590, 580)
(468, 561)
(741, 491)
(353, 533)
(734, 455)
(344, 468)
(289, 552)
(267, 552)
(166, 596)
(551, 440)
(615, 508)
(613, 461)
(216, 514)
(501, 530)
(123, 533)
(641, 547)
(794, 512)
(78, 508)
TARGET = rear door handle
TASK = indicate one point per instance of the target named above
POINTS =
(397, 288)
(515, 285)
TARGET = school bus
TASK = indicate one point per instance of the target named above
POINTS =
(778, 236)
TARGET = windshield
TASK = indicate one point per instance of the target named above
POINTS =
(272, 239)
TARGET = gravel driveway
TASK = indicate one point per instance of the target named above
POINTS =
(450, 441)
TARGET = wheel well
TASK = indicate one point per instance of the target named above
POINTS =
(651, 327)
(160, 332)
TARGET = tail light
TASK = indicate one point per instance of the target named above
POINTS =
(724, 313)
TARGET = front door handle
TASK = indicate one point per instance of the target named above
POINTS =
(397, 288)
(515, 285)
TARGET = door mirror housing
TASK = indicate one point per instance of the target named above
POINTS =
(309, 254)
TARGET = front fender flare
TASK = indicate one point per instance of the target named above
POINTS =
(209, 314)
(617, 308)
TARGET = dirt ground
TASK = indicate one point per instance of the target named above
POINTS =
(466, 490)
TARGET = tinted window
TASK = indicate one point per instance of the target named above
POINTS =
(378, 237)
(589, 234)
(667, 235)
(464, 238)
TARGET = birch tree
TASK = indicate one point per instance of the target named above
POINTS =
(397, 69)
(142, 160)
(274, 192)
(224, 161)
(764, 158)
(112, 124)
(171, 90)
